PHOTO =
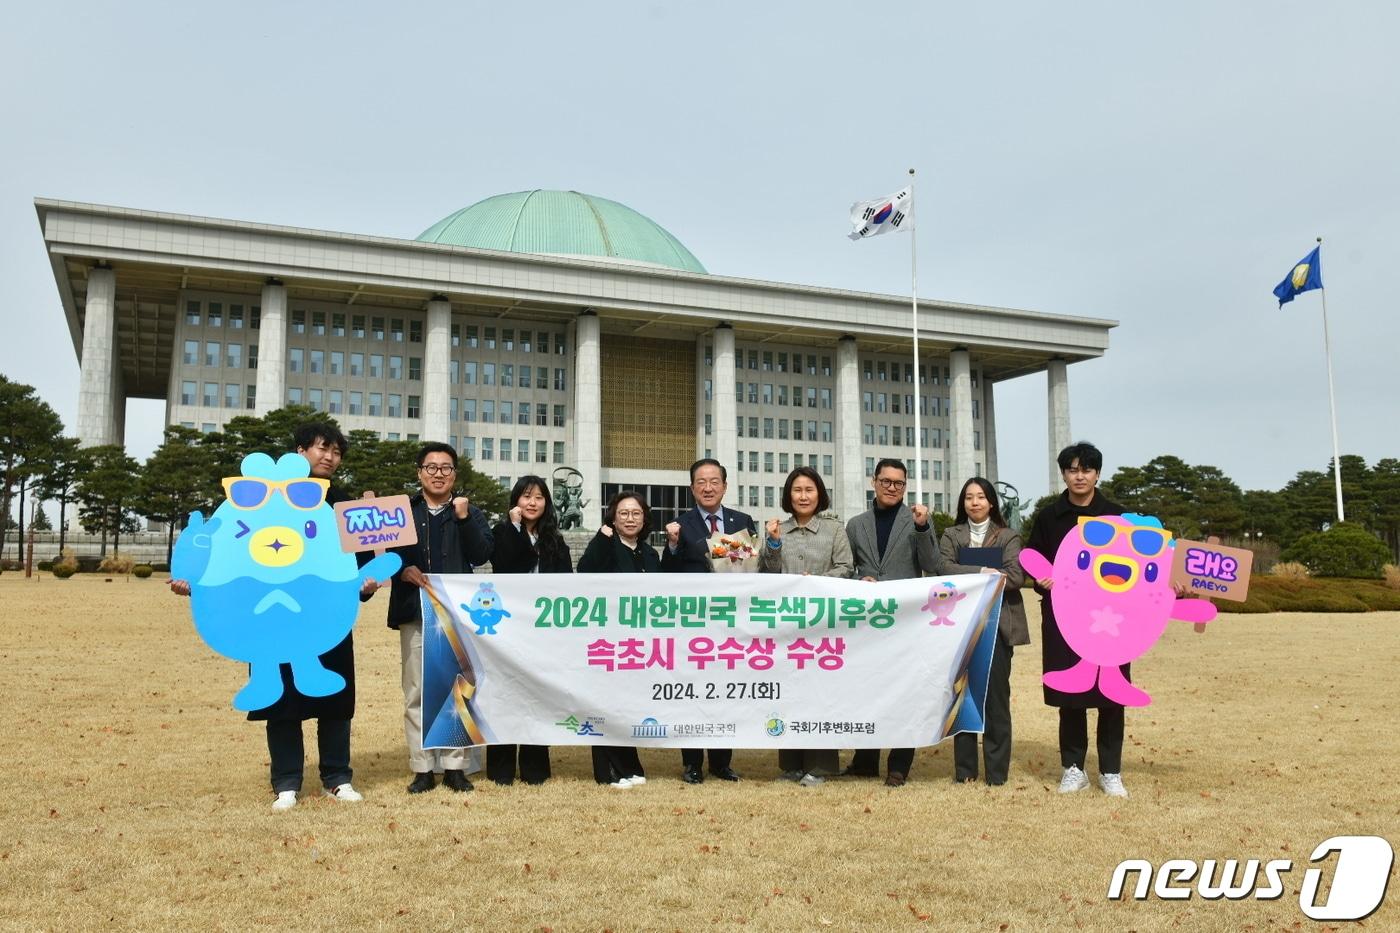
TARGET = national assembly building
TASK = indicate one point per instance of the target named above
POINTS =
(540, 330)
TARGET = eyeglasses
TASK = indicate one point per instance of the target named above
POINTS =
(891, 483)
(438, 469)
(246, 492)
(707, 483)
(1149, 542)
(629, 514)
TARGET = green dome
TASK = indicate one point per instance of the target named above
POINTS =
(562, 223)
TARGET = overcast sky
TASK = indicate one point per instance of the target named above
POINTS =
(1163, 165)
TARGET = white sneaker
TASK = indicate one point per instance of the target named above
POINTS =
(794, 776)
(345, 793)
(621, 783)
(285, 800)
(1112, 785)
(637, 779)
(1074, 780)
(811, 780)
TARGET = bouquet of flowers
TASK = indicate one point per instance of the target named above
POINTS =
(733, 553)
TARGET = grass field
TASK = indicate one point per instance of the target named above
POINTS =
(135, 798)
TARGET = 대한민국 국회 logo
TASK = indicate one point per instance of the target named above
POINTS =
(649, 728)
(775, 727)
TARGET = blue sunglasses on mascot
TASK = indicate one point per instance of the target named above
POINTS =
(249, 492)
(1149, 542)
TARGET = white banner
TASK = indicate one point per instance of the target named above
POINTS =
(732, 660)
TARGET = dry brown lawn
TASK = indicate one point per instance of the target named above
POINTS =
(133, 797)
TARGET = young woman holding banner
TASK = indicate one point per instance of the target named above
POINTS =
(528, 542)
(980, 542)
(620, 547)
(806, 543)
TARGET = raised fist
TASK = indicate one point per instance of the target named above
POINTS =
(461, 504)
(515, 515)
(775, 530)
(673, 534)
(920, 514)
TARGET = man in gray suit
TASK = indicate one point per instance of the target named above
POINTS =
(890, 542)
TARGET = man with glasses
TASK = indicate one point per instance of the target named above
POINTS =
(453, 537)
(892, 541)
(688, 551)
(323, 446)
(1079, 467)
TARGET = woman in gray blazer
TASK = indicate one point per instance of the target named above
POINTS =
(806, 543)
(971, 546)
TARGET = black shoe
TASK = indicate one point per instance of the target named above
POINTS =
(725, 774)
(850, 771)
(454, 779)
(692, 776)
(422, 781)
(895, 779)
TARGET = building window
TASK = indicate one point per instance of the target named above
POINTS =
(508, 375)
(488, 410)
(313, 398)
(753, 461)
(488, 448)
(231, 395)
(541, 451)
(252, 356)
(333, 401)
(558, 451)
(709, 423)
(559, 347)
(825, 396)
(337, 362)
(254, 318)
(187, 390)
(867, 435)
(524, 417)
(294, 396)
(357, 403)
(376, 366)
(525, 341)
(468, 409)
(507, 412)
(541, 377)
(250, 397)
(215, 317)
(318, 323)
(357, 364)
(768, 496)
(376, 404)
(524, 377)
(469, 447)
(542, 415)
(560, 384)
(357, 326)
(298, 322)
(826, 432)
(456, 335)
(396, 330)
(543, 343)
(234, 357)
(768, 428)
(782, 429)
(192, 353)
(522, 451)
(768, 461)
(469, 373)
(396, 368)
(395, 405)
(318, 361)
(376, 328)
(338, 325)
(558, 416)
(490, 338)
(211, 353)
(192, 313)
(415, 369)
(976, 408)
(294, 359)
(415, 404)
(471, 336)
(508, 340)
(488, 374)
(415, 331)
(454, 370)
(867, 370)
(826, 464)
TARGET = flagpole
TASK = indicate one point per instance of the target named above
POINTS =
(914, 291)
(1332, 402)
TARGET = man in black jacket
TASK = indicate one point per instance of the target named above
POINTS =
(688, 551)
(453, 537)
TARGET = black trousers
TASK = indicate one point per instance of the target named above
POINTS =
(285, 745)
(822, 761)
(611, 762)
(533, 759)
(996, 740)
(1074, 738)
(866, 762)
(695, 758)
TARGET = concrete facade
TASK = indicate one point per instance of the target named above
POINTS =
(500, 353)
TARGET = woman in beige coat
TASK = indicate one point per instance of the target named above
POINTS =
(971, 545)
(806, 543)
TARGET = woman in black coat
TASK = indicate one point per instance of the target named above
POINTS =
(528, 542)
(620, 547)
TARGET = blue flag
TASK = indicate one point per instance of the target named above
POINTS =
(1303, 277)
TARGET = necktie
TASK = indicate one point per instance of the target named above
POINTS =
(714, 524)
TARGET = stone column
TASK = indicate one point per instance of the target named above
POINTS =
(960, 419)
(989, 429)
(1057, 380)
(436, 388)
(588, 410)
(272, 349)
(725, 441)
(97, 370)
(848, 490)
(702, 404)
